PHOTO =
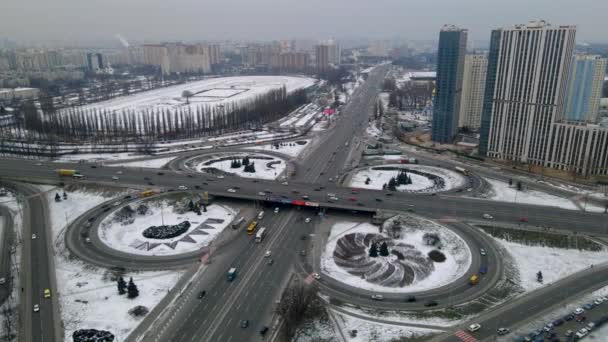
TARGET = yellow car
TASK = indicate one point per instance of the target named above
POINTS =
(47, 293)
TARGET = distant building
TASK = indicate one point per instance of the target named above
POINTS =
(322, 57)
(585, 88)
(178, 57)
(448, 91)
(473, 86)
(293, 61)
(18, 93)
(94, 61)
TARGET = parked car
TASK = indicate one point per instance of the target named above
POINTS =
(578, 311)
(502, 331)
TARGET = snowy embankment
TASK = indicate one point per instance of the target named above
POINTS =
(87, 294)
(502, 192)
(358, 330)
(149, 163)
(290, 148)
(265, 166)
(349, 265)
(126, 234)
(421, 177)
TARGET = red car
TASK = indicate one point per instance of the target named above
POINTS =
(354, 191)
(523, 219)
(354, 199)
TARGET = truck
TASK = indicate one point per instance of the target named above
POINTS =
(462, 170)
(69, 173)
(261, 215)
(236, 224)
(259, 236)
(147, 193)
(231, 274)
(474, 280)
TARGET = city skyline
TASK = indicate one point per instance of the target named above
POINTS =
(77, 22)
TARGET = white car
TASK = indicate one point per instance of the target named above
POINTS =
(262, 193)
(316, 276)
(119, 172)
(182, 187)
(36, 307)
(579, 311)
(231, 190)
(285, 183)
(582, 333)
(34, 236)
(276, 210)
(267, 254)
(220, 177)
(487, 216)
(2, 281)
(474, 327)
(377, 297)
(307, 220)
(115, 178)
(483, 252)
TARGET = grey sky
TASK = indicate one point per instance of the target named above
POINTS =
(90, 20)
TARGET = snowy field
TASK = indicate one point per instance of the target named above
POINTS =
(266, 166)
(368, 331)
(126, 236)
(420, 183)
(149, 163)
(210, 91)
(554, 263)
(291, 148)
(504, 193)
(427, 274)
(88, 297)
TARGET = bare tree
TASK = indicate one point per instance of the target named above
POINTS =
(187, 94)
(295, 303)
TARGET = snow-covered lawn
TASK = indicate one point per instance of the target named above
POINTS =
(427, 274)
(213, 90)
(266, 166)
(554, 263)
(377, 332)
(127, 236)
(504, 193)
(420, 183)
(290, 148)
(150, 163)
(89, 300)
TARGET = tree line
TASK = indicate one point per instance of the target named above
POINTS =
(99, 125)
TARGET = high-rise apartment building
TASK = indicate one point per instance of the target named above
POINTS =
(322, 57)
(177, 57)
(585, 88)
(528, 68)
(448, 89)
(473, 86)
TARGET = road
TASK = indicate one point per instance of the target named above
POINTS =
(6, 234)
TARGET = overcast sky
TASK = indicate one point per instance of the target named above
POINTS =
(91, 20)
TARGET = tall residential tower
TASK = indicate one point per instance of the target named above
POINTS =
(585, 88)
(448, 90)
(473, 86)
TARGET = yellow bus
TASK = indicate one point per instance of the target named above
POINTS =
(251, 227)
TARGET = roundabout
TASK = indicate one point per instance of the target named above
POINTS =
(241, 164)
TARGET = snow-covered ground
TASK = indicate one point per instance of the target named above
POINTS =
(427, 274)
(89, 299)
(504, 193)
(420, 183)
(377, 332)
(149, 163)
(554, 263)
(290, 148)
(128, 237)
(214, 90)
(266, 166)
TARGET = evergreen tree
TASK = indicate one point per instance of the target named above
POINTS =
(510, 181)
(409, 180)
(384, 249)
(122, 286)
(191, 205)
(57, 197)
(384, 186)
(539, 276)
(373, 250)
(519, 186)
(392, 184)
(367, 180)
(132, 291)
(65, 196)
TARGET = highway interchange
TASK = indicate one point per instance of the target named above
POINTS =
(258, 285)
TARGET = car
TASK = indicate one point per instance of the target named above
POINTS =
(244, 323)
(303, 252)
(307, 220)
(190, 176)
(263, 331)
(598, 301)
(47, 293)
(302, 237)
(487, 216)
(2, 281)
(354, 191)
(317, 189)
(316, 276)
(38, 164)
(262, 193)
(353, 199)
(410, 299)
(558, 322)
(34, 236)
(197, 187)
(579, 311)
(334, 198)
(483, 252)
(581, 318)
(377, 297)
(220, 177)
(502, 331)
(588, 306)
(231, 190)
(295, 192)
(87, 240)
(568, 317)
(590, 326)
(582, 333)
(305, 197)
(569, 333)
(115, 178)
(119, 172)
(389, 194)
(523, 219)
(276, 210)
(378, 199)
(285, 183)
(270, 262)
(36, 307)
(430, 303)
(202, 294)
(205, 183)
(474, 327)
(182, 187)
(160, 173)
(147, 178)
(93, 166)
(548, 327)
(150, 183)
(360, 204)
(267, 254)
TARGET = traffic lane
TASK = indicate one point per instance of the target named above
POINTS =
(6, 229)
